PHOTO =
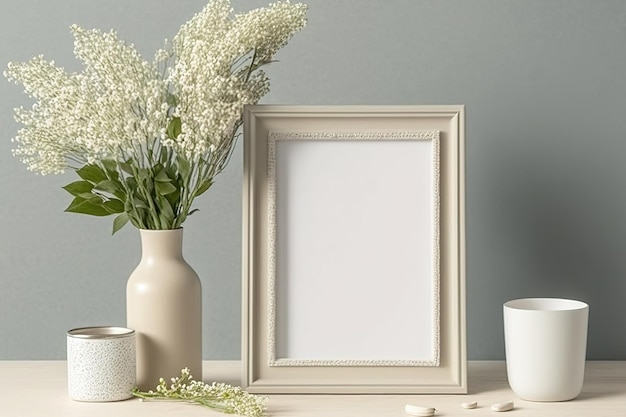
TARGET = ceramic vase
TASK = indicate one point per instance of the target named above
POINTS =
(164, 307)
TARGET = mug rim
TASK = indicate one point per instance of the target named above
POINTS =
(100, 332)
(544, 304)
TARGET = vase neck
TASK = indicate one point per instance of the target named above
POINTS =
(162, 243)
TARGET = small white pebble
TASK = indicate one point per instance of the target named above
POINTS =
(505, 406)
(418, 411)
(471, 405)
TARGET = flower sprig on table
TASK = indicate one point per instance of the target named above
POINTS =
(147, 138)
(217, 396)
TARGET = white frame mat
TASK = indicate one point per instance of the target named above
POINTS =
(353, 277)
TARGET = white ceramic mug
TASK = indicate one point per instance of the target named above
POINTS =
(101, 363)
(546, 345)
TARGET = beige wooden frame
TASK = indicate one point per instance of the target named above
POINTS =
(263, 372)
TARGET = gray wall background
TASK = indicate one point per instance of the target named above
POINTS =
(544, 84)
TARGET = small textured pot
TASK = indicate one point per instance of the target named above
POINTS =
(546, 345)
(100, 363)
(164, 307)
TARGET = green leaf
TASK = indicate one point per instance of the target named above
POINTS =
(107, 186)
(184, 168)
(192, 212)
(172, 172)
(145, 182)
(142, 175)
(113, 206)
(165, 155)
(162, 176)
(171, 100)
(174, 128)
(136, 221)
(140, 204)
(88, 196)
(127, 167)
(119, 222)
(165, 188)
(164, 224)
(109, 164)
(79, 200)
(93, 207)
(203, 187)
(131, 183)
(92, 173)
(166, 213)
(78, 187)
(111, 168)
(120, 193)
(174, 198)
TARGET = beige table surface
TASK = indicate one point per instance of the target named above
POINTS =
(39, 388)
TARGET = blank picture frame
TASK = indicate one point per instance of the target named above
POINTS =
(321, 210)
(353, 255)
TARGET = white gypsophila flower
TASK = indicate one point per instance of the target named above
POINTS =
(268, 29)
(147, 138)
(126, 91)
(97, 114)
(212, 76)
(217, 395)
(37, 145)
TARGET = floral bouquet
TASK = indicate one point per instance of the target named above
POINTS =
(147, 138)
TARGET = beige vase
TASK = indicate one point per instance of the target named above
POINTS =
(164, 307)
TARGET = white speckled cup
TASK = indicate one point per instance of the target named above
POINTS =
(101, 363)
